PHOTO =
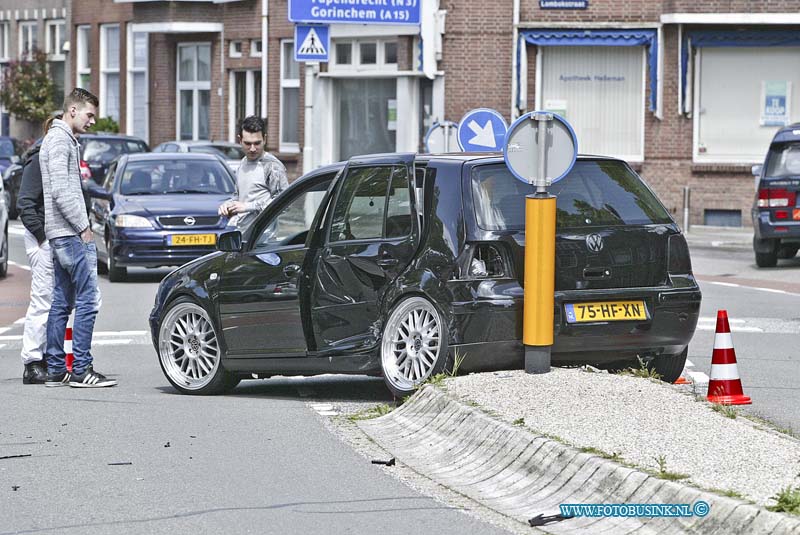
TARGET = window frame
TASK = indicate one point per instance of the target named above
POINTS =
(33, 38)
(356, 64)
(106, 71)
(288, 83)
(256, 53)
(133, 70)
(4, 29)
(61, 27)
(83, 38)
(195, 86)
(232, 45)
(252, 99)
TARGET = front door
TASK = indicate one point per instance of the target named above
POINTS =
(372, 237)
(259, 302)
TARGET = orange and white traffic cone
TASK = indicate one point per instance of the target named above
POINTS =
(68, 348)
(724, 385)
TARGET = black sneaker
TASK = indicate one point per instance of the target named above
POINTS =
(57, 379)
(90, 379)
(35, 373)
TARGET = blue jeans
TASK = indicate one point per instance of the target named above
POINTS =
(75, 287)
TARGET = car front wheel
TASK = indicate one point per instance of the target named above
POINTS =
(115, 273)
(189, 351)
(414, 345)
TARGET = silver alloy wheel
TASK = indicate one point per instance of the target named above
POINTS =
(188, 346)
(411, 343)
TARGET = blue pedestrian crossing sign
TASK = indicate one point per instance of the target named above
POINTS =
(482, 130)
(311, 42)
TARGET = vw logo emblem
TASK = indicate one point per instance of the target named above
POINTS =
(594, 242)
(189, 220)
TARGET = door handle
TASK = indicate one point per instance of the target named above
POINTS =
(385, 262)
(291, 270)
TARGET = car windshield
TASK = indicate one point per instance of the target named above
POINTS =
(602, 192)
(106, 150)
(6, 148)
(160, 177)
(229, 152)
(783, 160)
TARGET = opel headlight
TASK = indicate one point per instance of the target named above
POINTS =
(133, 221)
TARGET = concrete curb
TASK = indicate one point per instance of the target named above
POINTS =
(519, 474)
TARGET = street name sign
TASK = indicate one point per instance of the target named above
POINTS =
(524, 154)
(311, 43)
(441, 137)
(482, 130)
(355, 11)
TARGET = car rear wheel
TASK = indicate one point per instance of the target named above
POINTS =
(769, 259)
(115, 273)
(189, 351)
(669, 367)
(414, 345)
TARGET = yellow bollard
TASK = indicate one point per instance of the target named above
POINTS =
(540, 254)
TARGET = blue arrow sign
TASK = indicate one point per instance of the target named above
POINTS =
(482, 130)
(311, 43)
(355, 11)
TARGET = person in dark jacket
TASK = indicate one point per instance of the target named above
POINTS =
(30, 205)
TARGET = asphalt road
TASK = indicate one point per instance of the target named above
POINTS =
(139, 458)
(762, 305)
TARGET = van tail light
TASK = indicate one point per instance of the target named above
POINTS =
(776, 198)
(678, 261)
(781, 214)
(487, 262)
(86, 173)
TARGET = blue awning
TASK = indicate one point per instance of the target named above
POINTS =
(627, 37)
(724, 38)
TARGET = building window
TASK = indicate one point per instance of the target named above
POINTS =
(365, 55)
(55, 38)
(600, 91)
(137, 116)
(193, 90)
(245, 97)
(255, 48)
(290, 99)
(83, 73)
(28, 39)
(109, 71)
(734, 120)
(3, 41)
(235, 50)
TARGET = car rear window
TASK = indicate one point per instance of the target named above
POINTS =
(783, 160)
(106, 150)
(595, 192)
(7, 148)
(159, 177)
(226, 151)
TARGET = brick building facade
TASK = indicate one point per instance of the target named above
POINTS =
(659, 83)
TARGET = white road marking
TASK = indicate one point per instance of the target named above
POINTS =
(699, 378)
(21, 320)
(118, 341)
(732, 285)
(758, 288)
(23, 266)
(99, 334)
(689, 364)
(2, 346)
(17, 231)
(324, 409)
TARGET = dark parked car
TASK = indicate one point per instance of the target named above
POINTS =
(11, 169)
(776, 212)
(396, 262)
(100, 149)
(4, 200)
(9, 152)
(232, 153)
(159, 210)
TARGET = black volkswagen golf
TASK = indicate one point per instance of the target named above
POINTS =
(397, 264)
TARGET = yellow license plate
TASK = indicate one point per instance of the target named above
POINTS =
(192, 239)
(606, 311)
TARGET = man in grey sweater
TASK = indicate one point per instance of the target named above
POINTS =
(66, 226)
(259, 178)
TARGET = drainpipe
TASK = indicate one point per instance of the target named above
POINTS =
(514, 63)
(308, 113)
(264, 54)
(220, 90)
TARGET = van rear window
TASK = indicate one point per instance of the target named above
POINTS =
(594, 193)
(783, 160)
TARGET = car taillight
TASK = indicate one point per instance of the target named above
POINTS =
(776, 198)
(678, 255)
(781, 214)
(86, 173)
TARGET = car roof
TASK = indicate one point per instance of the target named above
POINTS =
(787, 133)
(108, 135)
(193, 142)
(146, 156)
(462, 157)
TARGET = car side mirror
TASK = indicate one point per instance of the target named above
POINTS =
(756, 170)
(97, 191)
(230, 242)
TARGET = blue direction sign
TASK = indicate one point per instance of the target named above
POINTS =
(482, 130)
(355, 11)
(311, 43)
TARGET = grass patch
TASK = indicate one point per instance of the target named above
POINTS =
(600, 453)
(518, 421)
(373, 412)
(663, 473)
(643, 371)
(725, 409)
(769, 425)
(730, 493)
(788, 501)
